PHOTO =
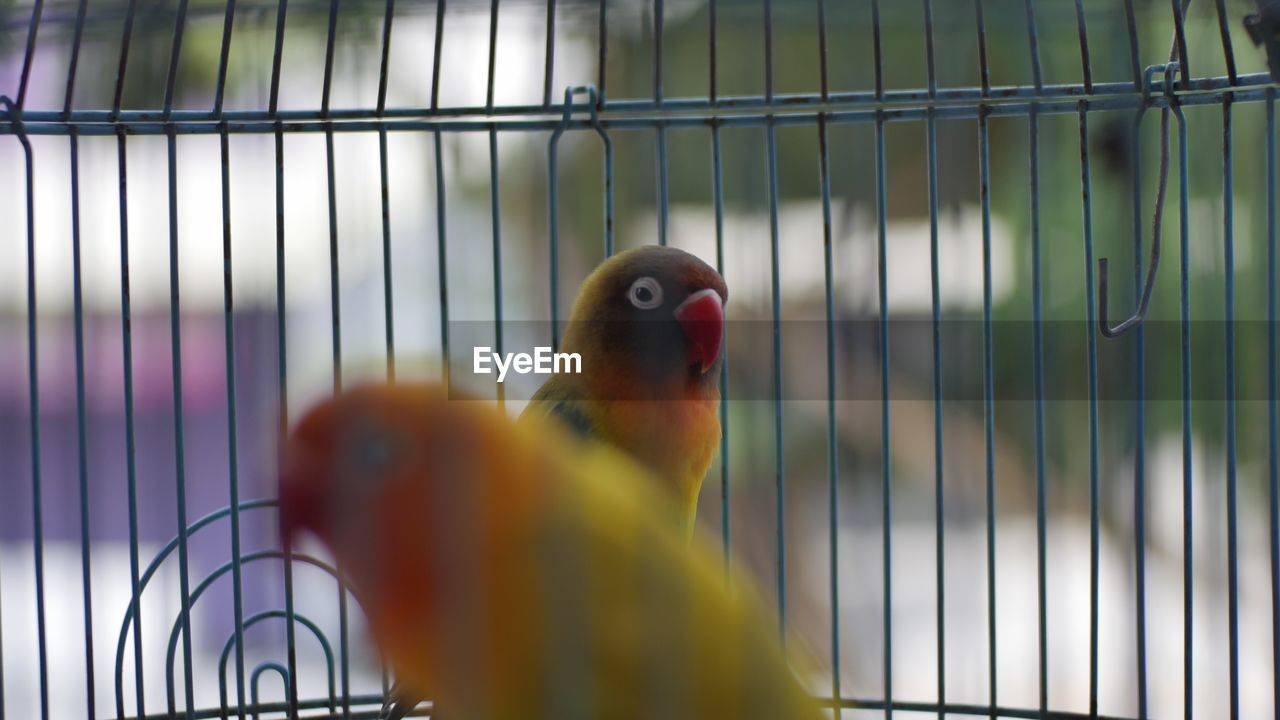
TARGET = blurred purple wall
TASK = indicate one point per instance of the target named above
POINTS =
(205, 438)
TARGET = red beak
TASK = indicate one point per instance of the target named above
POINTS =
(701, 316)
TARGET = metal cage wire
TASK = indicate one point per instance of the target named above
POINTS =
(1166, 88)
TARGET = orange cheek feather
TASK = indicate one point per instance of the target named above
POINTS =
(677, 438)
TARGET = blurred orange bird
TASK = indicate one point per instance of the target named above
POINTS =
(509, 571)
(649, 325)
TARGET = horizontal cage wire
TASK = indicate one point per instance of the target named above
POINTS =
(988, 455)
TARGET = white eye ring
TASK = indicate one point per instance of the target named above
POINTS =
(645, 293)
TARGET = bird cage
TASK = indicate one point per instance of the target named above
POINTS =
(989, 455)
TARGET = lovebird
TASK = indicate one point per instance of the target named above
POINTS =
(649, 325)
(510, 571)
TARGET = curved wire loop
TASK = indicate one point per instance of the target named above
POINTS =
(153, 568)
(256, 676)
(1105, 327)
(150, 572)
(256, 618)
(199, 590)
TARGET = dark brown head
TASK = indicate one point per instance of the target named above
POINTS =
(654, 315)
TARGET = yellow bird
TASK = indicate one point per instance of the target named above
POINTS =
(648, 324)
(510, 572)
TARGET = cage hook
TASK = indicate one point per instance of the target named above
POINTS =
(593, 106)
(1264, 29)
(1169, 71)
(15, 117)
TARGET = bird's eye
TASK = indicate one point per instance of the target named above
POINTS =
(371, 452)
(645, 293)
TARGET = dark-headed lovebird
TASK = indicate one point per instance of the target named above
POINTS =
(508, 574)
(648, 324)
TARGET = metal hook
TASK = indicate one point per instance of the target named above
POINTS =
(1104, 324)
(15, 117)
(594, 103)
(593, 107)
